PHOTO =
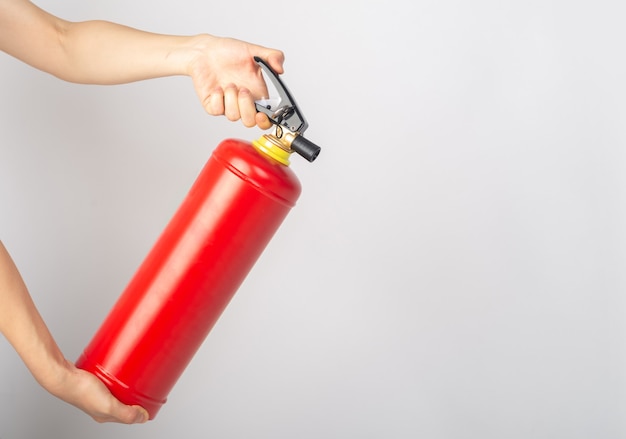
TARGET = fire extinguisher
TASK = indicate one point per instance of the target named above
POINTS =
(203, 255)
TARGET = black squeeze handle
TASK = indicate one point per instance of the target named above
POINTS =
(305, 148)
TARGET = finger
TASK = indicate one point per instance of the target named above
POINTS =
(214, 102)
(127, 414)
(231, 103)
(142, 416)
(247, 109)
(275, 59)
(263, 121)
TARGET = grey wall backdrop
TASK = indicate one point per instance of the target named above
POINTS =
(454, 268)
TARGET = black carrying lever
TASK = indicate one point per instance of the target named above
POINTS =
(285, 114)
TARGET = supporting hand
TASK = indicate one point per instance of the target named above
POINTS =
(86, 392)
(24, 328)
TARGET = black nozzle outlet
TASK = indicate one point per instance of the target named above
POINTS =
(305, 148)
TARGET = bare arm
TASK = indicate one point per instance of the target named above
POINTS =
(225, 76)
(96, 52)
(22, 325)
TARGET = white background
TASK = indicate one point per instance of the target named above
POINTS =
(453, 269)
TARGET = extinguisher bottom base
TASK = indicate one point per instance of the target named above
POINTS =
(122, 391)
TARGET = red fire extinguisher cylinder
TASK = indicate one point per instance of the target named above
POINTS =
(231, 212)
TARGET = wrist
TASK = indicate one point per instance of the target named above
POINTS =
(194, 50)
(53, 373)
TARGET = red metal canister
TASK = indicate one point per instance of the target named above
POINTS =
(187, 279)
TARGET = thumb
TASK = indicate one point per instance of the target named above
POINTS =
(274, 58)
(129, 414)
(137, 414)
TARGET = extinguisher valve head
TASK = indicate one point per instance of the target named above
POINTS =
(285, 114)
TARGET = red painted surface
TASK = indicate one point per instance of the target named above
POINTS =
(223, 225)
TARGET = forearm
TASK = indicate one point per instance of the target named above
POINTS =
(23, 327)
(95, 52)
(100, 52)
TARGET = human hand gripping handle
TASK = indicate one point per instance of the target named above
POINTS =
(227, 79)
